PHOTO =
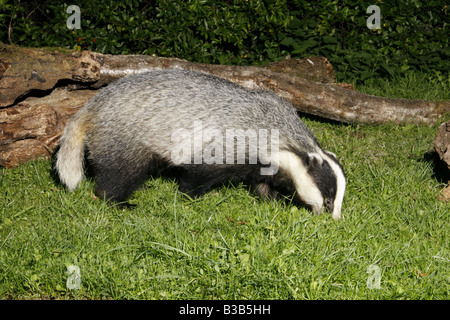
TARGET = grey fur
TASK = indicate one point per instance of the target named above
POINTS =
(133, 119)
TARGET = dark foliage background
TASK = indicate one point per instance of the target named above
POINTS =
(413, 37)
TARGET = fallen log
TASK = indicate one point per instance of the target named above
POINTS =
(324, 99)
(30, 72)
(32, 128)
(41, 88)
(442, 147)
(308, 83)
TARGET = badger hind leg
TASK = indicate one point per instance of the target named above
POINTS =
(117, 185)
(118, 178)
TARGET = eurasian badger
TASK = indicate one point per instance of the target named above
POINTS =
(158, 122)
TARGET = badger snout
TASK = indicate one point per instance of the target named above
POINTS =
(329, 205)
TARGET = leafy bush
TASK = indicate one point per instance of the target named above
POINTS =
(413, 35)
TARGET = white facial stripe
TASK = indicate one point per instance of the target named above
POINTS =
(305, 186)
(340, 184)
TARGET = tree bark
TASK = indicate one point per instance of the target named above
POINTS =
(32, 128)
(442, 147)
(442, 143)
(32, 72)
(41, 88)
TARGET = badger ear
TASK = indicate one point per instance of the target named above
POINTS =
(330, 154)
(312, 159)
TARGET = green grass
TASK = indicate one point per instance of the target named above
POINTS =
(413, 85)
(229, 244)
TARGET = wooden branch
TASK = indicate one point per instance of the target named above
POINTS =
(23, 70)
(442, 143)
(32, 128)
(325, 98)
(442, 147)
(308, 83)
(41, 88)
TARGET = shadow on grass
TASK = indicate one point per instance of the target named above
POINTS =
(440, 170)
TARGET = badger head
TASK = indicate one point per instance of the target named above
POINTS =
(316, 180)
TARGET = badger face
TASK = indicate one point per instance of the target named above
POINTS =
(318, 179)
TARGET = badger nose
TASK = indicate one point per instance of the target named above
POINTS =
(329, 205)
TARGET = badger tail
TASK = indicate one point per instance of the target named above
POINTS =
(70, 156)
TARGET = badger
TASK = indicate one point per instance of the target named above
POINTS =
(203, 131)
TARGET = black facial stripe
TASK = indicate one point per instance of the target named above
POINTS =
(335, 160)
(324, 178)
